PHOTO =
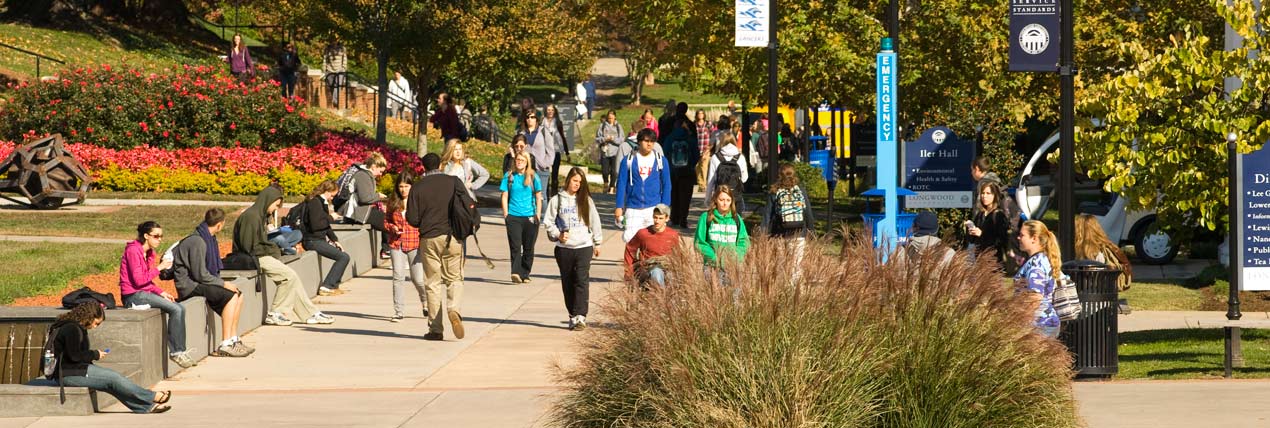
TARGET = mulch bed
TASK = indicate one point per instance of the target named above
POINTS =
(107, 283)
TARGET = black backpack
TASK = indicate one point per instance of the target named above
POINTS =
(295, 218)
(464, 219)
(87, 295)
(680, 151)
(728, 173)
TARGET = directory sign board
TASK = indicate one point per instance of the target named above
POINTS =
(937, 167)
(1254, 216)
(1034, 35)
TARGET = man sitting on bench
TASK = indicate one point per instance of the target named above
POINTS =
(196, 266)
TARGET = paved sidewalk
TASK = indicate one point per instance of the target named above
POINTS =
(1174, 404)
(1163, 320)
(365, 371)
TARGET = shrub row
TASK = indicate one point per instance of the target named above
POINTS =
(189, 106)
(802, 338)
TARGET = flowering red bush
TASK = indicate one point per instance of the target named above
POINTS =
(191, 106)
(236, 171)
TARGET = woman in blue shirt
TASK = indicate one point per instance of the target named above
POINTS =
(522, 195)
(1037, 277)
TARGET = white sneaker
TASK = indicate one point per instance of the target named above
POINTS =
(324, 291)
(581, 325)
(319, 320)
(573, 322)
(276, 318)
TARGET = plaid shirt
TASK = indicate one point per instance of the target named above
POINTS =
(703, 135)
(401, 235)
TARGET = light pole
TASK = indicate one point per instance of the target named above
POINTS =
(1232, 152)
(1067, 102)
(773, 101)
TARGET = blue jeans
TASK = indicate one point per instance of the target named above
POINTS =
(657, 275)
(286, 240)
(174, 311)
(325, 249)
(1047, 331)
(138, 399)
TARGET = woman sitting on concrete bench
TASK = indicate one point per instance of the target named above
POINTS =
(76, 368)
(196, 266)
(137, 273)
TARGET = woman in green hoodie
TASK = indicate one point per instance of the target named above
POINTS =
(721, 233)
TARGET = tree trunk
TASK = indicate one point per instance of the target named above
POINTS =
(637, 91)
(381, 119)
(422, 96)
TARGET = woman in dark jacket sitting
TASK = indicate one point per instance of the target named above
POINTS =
(319, 237)
(76, 368)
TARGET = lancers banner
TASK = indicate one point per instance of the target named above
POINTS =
(1034, 35)
(752, 19)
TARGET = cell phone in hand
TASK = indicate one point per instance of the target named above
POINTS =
(969, 225)
(107, 350)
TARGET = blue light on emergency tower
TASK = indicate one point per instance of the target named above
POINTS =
(888, 144)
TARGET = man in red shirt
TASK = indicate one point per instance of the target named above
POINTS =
(650, 245)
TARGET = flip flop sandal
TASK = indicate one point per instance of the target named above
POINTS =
(163, 397)
(160, 409)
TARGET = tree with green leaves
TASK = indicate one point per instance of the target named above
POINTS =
(1160, 140)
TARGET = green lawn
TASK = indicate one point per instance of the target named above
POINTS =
(121, 224)
(105, 43)
(35, 268)
(1167, 296)
(1189, 354)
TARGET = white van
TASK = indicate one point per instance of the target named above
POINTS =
(1137, 228)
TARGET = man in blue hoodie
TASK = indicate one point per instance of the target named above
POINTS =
(643, 182)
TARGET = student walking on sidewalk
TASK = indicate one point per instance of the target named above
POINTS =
(721, 235)
(643, 181)
(430, 208)
(522, 195)
(573, 223)
(403, 248)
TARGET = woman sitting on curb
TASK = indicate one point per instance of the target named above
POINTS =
(75, 362)
(320, 238)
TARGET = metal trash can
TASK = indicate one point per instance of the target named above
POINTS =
(1093, 338)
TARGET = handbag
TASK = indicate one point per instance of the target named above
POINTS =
(1066, 299)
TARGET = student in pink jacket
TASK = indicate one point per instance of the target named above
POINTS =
(137, 272)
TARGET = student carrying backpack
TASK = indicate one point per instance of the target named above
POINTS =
(788, 212)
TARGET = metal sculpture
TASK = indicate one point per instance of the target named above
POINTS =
(45, 174)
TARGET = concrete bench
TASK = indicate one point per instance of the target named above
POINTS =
(361, 243)
(41, 397)
(138, 349)
(1232, 330)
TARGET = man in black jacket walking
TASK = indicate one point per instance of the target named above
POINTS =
(429, 209)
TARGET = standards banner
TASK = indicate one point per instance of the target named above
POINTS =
(1034, 35)
(1254, 214)
(751, 23)
(937, 167)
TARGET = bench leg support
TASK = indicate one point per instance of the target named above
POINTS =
(1234, 350)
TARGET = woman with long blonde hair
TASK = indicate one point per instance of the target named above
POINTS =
(455, 162)
(1093, 244)
(1040, 274)
(522, 196)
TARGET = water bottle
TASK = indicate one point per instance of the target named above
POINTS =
(48, 360)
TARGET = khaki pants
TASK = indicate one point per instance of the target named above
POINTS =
(290, 296)
(442, 264)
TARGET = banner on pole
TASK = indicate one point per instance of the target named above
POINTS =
(1034, 35)
(752, 20)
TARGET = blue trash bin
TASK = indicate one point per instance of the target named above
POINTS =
(823, 159)
(903, 226)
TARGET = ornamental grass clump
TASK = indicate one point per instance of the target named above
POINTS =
(820, 340)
